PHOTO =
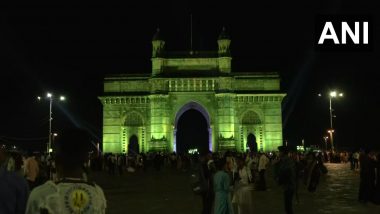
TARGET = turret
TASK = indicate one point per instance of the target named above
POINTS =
(224, 52)
(158, 45)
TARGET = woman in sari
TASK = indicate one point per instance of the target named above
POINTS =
(222, 189)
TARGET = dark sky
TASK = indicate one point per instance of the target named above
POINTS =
(69, 49)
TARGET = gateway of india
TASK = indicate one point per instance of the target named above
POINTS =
(241, 109)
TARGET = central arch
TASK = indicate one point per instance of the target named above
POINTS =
(133, 146)
(199, 108)
(251, 142)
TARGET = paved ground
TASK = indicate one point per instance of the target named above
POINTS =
(169, 192)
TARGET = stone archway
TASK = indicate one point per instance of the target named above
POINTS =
(192, 106)
(252, 130)
(133, 125)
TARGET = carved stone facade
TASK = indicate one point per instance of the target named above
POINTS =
(235, 105)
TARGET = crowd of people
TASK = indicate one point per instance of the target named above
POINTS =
(50, 184)
(227, 181)
(59, 183)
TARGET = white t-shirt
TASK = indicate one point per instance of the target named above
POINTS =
(263, 162)
(67, 198)
(245, 175)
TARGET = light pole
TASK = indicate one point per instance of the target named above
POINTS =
(54, 135)
(331, 131)
(325, 138)
(51, 98)
(332, 95)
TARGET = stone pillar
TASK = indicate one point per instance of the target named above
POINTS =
(159, 124)
(111, 128)
(226, 120)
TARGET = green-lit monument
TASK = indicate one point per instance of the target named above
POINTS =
(238, 107)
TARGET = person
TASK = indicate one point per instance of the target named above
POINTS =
(120, 163)
(356, 156)
(71, 193)
(313, 172)
(376, 196)
(251, 164)
(205, 174)
(351, 159)
(243, 194)
(366, 175)
(14, 189)
(285, 174)
(11, 165)
(32, 170)
(231, 165)
(222, 189)
(263, 163)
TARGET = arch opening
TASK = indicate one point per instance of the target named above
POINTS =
(133, 146)
(192, 129)
(251, 143)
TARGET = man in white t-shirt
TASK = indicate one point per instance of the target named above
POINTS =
(263, 163)
(71, 193)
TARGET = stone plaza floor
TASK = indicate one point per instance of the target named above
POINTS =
(169, 191)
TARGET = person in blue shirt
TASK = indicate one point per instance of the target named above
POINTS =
(14, 189)
(222, 189)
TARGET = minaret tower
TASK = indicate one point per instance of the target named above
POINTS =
(158, 45)
(224, 52)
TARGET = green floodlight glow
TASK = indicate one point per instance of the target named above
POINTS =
(151, 116)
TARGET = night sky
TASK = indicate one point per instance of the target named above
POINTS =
(68, 50)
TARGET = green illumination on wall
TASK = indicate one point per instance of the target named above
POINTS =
(235, 104)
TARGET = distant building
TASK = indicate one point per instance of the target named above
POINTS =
(241, 109)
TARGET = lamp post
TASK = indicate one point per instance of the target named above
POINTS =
(51, 98)
(325, 138)
(54, 135)
(332, 95)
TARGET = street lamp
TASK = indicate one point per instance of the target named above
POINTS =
(332, 95)
(325, 138)
(54, 135)
(51, 98)
(331, 131)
